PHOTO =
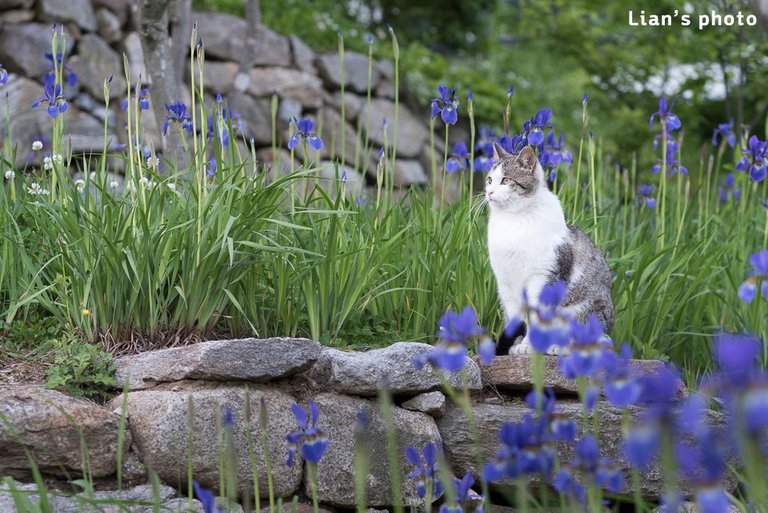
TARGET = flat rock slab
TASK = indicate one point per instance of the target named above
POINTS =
(461, 447)
(431, 403)
(336, 470)
(515, 373)
(363, 374)
(160, 421)
(52, 427)
(250, 359)
(139, 499)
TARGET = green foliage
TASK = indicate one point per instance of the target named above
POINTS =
(81, 369)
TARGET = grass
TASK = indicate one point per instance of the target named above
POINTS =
(179, 255)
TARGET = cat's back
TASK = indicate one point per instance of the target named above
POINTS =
(582, 265)
(588, 259)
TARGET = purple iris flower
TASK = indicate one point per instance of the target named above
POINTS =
(586, 356)
(459, 158)
(446, 105)
(425, 471)
(725, 132)
(621, 388)
(3, 75)
(758, 274)
(646, 196)
(309, 439)
(454, 331)
(177, 113)
(70, 75)
(534, 127)
(210, 169)
(754, 159)
(206, 498)
(728, 190)
(53, 96)
(143, 96)
(305, 130)
(666, 116)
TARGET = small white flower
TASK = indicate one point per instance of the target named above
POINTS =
(172, 186)
(37, 146)
(153, 162)
(146, 182)
(92, 176)
(47, 163)
(58, 159)
(10, 174)
(80, 184)
(113, 184)
(36, 190)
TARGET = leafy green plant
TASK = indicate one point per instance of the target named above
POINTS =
(82, 369)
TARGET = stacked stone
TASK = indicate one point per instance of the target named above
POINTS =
(175, 392)
(307, 83)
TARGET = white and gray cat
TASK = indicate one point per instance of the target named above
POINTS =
(531, 245)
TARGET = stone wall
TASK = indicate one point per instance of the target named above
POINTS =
(100, 32)
(175, 393)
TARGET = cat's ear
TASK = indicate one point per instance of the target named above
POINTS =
(499, 152)
(526, 159)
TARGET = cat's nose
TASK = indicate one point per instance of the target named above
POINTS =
(490, 193)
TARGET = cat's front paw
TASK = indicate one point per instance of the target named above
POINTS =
(521, 348)
(558, 350)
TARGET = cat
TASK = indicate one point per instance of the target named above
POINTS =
(530, 245)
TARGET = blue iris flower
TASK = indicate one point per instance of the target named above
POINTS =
(728, 189)
(646, 196)
(309, 439)
(754, 159)
(447, 105)
(143, 96)
(525, 447)
(3, 75)
(586, 354)
(666, 116)
(53, 96)
(458, 159)
(305, 130)
(206, 498)
(725, 132)
(621, 388)
(759, 273)
(425, 469)
(70, 76)
(534, 128)
(177, 113)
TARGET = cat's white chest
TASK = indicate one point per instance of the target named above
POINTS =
(522, 253)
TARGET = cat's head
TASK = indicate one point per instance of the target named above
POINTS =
(514, 179)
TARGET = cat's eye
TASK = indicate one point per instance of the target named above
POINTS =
(505, 181)
(489, 180)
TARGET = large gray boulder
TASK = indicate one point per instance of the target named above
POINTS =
(138, 499)
(288, 83)
(30, 43)
(135, 54)
(392, 367)
(336, 470)
(431, 403)
(249, 359)
(52, 428)
(514, 373)
(225, 37)
(94, 63)
(412, 132)
(79, 12)
(462, 448)
(355, 71)
(162, 419)
(85, 132)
